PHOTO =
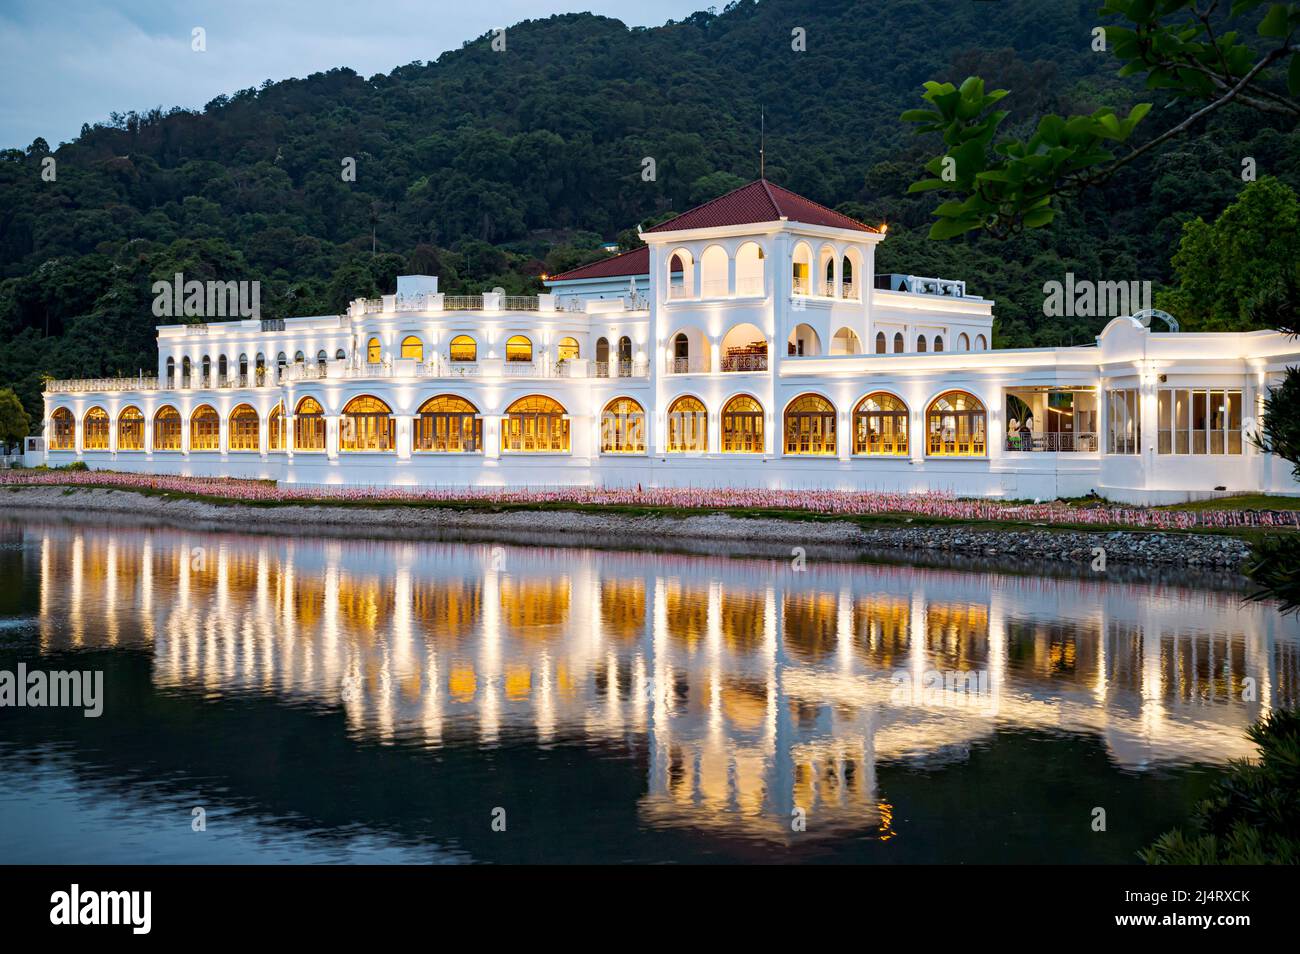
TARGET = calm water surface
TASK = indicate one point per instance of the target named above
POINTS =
(327, 700)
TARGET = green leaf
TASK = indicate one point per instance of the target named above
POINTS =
(951, 228)
(928, 185)
(1275, 21)
(1038, 218)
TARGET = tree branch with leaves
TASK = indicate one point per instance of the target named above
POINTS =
(1004, 187)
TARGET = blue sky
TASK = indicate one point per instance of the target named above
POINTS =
(65, 62)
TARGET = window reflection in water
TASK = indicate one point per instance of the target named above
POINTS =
(750, 690)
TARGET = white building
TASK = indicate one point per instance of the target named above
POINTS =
(750, 343)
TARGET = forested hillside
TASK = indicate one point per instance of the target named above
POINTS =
(488, 168)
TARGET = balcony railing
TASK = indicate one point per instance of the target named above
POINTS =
(138, 383)
(744, 362)
(620, 369)
(1064, 442)
(687, 366)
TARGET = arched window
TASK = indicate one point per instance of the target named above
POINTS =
(801, 270)
(94, 429)
(714, 266)
(750, 279)
(221, 371)
(938, 343)
(880, 425)
(275, 428)
(519, 348)
(130, 429)
(567, 349)
(463, 348)
(449, 425)
(622, 427)
(374, 352)
(205, 429)
(681, 278)
(167, 429)
(846, 341)
(882, 346)
(243, 370)
(688, 426)
(171, 373)
(412, 348)
(259, 370)
(981, 343)
(321, 360)
(602, 357)
(242, 429)
(898, 343)
(366, 425)
(955, 426)
(186, 372)
(206, 380)
(920, 344)
(804, 341)
(309, 426)
(742, 426)
(281, 362)
(535, 425)
(851, 288)
(64, 430)
(810, 426)
(340, 355)
(963, 342)
(625, 357)
(299, 357)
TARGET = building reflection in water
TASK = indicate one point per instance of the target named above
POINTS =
(754, 690)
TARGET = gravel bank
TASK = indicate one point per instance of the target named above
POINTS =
(1031, 544)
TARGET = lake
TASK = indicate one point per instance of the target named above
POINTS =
(321, 699)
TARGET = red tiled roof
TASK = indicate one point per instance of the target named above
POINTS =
(635, 262)
(624, 264)
(760, 201)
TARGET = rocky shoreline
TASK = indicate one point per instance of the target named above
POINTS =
(1028, 545)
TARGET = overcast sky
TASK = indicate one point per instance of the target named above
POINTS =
(66, 62)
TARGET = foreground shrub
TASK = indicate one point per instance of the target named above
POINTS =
(1252, 816)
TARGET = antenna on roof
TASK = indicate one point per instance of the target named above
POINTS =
(762, 140)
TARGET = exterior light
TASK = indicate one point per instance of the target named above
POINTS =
(884, 227)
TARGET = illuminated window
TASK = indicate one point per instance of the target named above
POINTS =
(622, 427)
(1123, 422)
(309, 426)
(242, 432)
(955, 426)
(519, 348)
(374, 354)
(688, 426)
(567, 349)
(94, 429)
(463, 348)
(535, 424)
(742, 426)
(275, 429)
(412, 348)
(205, 429)
(366, 425)
(1199, 421)
(880, 425)
(130, 429)
(450, 425)
(64, 436)
(167, 429)
(810, 426)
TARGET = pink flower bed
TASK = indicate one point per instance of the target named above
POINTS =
(936, 505)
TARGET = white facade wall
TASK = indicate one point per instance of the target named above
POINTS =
(831, 313)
